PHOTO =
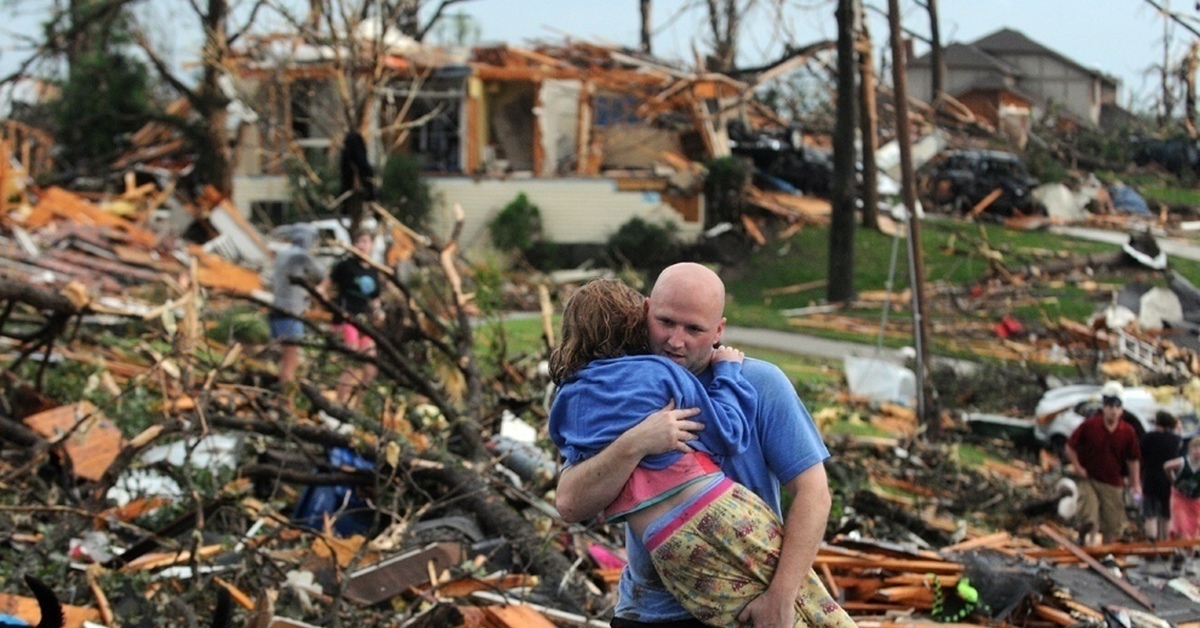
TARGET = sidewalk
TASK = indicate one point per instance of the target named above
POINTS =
(803, 344)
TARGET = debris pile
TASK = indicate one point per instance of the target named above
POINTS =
(152, 466)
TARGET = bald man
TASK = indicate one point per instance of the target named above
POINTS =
(685, 313)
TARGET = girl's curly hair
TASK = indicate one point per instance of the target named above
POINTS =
(604, 319)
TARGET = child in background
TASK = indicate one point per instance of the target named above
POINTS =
(1184, 472)
(1158, 447)
(714, 543)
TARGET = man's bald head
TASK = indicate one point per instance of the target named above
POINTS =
(685, 314)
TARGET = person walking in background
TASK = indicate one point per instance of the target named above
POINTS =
(1100, 449)
(1184, 472)
(295, 263)
(1158, 447)
(356, 290)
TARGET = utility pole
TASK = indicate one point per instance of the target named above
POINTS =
(841, 222)
(927, 411)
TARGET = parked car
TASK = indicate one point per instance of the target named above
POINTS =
(960, 179)
(1061, 410)
(781, 156)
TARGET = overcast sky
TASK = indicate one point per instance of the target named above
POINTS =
(1123, 38)
(1119, 37)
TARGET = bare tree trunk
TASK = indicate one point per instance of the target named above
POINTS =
(868, 126)
(935, 55)
(724, 19)
(216, 47)
(1168, 99)
(644, 5)
(841, 227)
(1189, 80)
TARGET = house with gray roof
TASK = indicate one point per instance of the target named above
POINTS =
(1006, 77)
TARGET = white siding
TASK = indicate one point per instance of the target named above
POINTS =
(248, 189)
(573, 210)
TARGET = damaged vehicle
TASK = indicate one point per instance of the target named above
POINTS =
(1061, 410)
(782, 160)
(961, 179)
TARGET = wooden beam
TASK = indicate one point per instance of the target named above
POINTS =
(1096, 566)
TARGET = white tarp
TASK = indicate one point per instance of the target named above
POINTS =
(879, 380)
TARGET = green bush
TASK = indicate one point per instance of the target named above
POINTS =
(727, 178)
(643, 244)
(1044, 166)
(405, 192)
(518, 226)
(245, 325)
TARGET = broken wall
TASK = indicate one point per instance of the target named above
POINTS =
(558, 117)
(510, 123)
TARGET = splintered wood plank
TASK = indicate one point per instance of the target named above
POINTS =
(216, 273)
(59, 203)
(915, 594)
(1054, 615)
(889, 564)
(517, 616)
(389, 578)
(92, 447)
(991, 540)
(27, 609)
(157, 560)
(466, 586)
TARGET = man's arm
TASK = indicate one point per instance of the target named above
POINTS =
(584, 489)
(1135, 477)
(1073, 457)
(803, 531)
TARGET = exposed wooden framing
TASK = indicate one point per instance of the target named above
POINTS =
(474, 111)
(583, 135)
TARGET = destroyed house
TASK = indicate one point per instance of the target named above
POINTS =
(1006, 77)
(593, 136)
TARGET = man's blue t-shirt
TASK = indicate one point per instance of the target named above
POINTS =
(784, 443)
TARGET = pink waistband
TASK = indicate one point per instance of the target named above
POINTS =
(688, 512)
(644, 485)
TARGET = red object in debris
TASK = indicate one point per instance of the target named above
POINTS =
(606, 558)
(1008, 326)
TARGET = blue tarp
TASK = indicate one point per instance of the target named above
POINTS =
(1126, 200)
(353, 516)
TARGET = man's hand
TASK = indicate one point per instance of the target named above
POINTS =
(769, 610)
(666, 430)
(803, 529)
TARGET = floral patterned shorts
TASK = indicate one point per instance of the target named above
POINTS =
(722, 555)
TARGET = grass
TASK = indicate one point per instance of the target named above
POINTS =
(1158, 188)
(952, 258)
(1171, 196)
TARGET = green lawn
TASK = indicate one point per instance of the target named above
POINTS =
(952, 258)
